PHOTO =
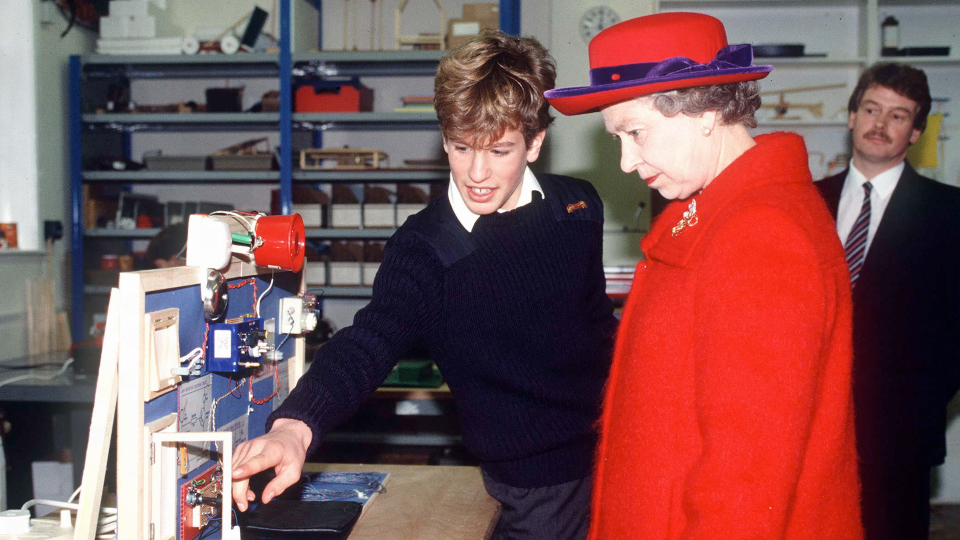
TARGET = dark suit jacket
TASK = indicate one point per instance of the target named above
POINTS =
(906, 322)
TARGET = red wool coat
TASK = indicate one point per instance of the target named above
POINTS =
(728, 411)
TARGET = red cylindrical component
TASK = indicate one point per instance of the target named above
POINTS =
(283, 242)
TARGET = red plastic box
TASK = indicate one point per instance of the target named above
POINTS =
(342, 98)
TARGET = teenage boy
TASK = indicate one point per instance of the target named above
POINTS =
(502, 281)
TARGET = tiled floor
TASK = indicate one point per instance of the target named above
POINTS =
(945, 522)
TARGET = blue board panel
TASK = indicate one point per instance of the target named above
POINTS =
(231, 408)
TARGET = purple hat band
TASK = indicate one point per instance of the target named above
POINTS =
(730, 59)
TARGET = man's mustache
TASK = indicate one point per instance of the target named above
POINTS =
(879, 134)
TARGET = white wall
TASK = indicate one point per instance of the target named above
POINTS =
(579, 146)
(39, 139)
(18, 163)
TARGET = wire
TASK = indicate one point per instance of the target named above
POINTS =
(213, 414)
(282, 341)
(105, 524)
(32, 366)
(276, 389)
(35, 376)
(74, 496)
(232, 388)
(237, 216)
(256, 310)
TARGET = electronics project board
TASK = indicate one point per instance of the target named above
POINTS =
(181, 374)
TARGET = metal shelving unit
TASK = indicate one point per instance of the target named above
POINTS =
(285, 66)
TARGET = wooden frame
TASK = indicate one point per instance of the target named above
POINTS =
(226, 492)
(134, 490)
(428, 40)
(311, 159)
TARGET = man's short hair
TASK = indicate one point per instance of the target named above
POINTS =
(902, 79)
(493, 84)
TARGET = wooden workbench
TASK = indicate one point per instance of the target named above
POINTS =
(424, 502)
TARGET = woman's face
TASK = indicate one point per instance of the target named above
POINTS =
(671, 154)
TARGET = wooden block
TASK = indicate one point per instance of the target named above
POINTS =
(369, 273)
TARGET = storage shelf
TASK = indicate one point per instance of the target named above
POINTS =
(366, 63)
(173, 66)
(129, 234)
(365, 121)
(96, 289)
(925, 61)
(819, 61)
(147, 177)
(349, 234)
(341, 292)
(375, 175)
(202, 118)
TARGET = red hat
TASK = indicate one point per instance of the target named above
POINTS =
(657, 53)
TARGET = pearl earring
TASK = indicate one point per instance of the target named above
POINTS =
(706, 131)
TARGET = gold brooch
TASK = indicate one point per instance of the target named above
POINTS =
(689, 219)
(575, 206)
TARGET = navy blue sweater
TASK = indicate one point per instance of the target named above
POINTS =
(514, 314)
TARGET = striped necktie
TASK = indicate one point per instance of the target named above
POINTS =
(856, 246)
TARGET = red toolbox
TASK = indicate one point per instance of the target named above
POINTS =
(333, 96)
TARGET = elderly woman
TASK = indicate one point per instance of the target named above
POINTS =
(728, 412)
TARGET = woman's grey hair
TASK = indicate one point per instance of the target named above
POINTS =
(736, 102)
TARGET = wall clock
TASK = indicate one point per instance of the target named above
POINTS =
(596, 19)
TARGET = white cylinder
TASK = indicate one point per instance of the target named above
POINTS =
(190, 45)
(229, 44)
(14, 521)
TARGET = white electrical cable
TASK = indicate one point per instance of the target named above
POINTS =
(105, 524)
(35, 376)
(257, 310)
(74, 495)
(239, 217)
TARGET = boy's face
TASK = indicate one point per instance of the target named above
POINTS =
(487, 178)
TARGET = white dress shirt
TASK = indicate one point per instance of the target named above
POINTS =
(468, 219)
(851, 200)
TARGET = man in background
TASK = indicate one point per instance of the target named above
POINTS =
(165, 249)
(901, 233)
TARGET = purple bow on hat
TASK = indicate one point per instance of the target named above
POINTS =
(731, 57)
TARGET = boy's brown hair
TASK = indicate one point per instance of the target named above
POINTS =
(493, 84)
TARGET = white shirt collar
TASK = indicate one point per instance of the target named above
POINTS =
(528, 184)
(851, 200)
(883, 183)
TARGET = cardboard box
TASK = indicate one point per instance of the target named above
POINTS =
(345, 273)
(486, 13)
(315, 273)
(369, 271)
(461, 31)
(311, 213)
(345, 216)
(379, 216)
